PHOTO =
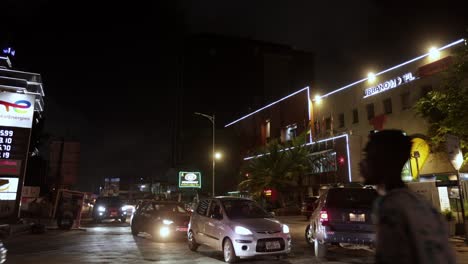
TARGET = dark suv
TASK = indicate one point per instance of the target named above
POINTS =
(109, 208)
(343, 215)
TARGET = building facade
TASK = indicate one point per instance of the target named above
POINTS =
(341, 120)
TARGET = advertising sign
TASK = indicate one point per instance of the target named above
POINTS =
(189, 179)
(389, 84)
(16, 110)
(16, 119)
(443, 198)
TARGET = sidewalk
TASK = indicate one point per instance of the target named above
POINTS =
(461, 249)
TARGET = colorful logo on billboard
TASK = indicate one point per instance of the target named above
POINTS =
(20, 106)
(189, 179)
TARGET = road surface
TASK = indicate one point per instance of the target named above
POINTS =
(112, 242)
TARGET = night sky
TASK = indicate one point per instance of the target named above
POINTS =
(110, 71)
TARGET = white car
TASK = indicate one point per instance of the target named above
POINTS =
(239, 227)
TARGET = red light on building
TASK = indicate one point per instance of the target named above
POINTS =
(341, 160)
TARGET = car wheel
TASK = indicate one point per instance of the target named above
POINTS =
(320, 249)
(192, 243)
(310, 235)
(228, 251)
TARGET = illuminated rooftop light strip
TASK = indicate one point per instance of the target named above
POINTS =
(393, 68)
(258, 110)
(349, 158)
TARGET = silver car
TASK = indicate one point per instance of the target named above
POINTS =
(239, 227)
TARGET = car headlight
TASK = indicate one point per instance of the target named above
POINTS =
(164, 231)
(285, 229)
(101, 209)
(167, 222)
(242, 231)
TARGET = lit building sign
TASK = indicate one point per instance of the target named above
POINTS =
(390, 84)
(189, 179)
(9, 51)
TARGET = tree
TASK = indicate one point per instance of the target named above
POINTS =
(446, 108)
(281, 167)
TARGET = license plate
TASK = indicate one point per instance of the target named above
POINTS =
(357, 217)
(113, 214)
(272, 245)
(182, 229)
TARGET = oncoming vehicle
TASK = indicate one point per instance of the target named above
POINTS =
(110, 207)
(342, 216)
(238, 227)
(161, 219)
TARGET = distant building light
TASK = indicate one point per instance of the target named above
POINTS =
(318, 99)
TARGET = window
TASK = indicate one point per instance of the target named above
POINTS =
(203, 207)
(341, 120)
(370, 111)
(267, 128)
(387, 104)
(425, 90)
(355, 116)
(215, 211)
(405, 101)
(291, 132)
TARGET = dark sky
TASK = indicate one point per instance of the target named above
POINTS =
(110, 69)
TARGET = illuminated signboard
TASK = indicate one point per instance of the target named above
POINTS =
(390, 84)
(189, 179)
(16, 119)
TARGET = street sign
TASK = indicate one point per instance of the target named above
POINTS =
(189, 179)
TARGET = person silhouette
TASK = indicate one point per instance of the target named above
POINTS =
(409, 229)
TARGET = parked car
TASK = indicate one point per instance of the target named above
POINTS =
(308, 206)
(161, 219)
(238, 227)
(110, 207)
(343, 215)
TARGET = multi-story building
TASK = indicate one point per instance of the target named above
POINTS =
(342, 119)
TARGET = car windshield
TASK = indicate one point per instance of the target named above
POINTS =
(351, 198)
(238, 209)
(168, 208)
(111, 201)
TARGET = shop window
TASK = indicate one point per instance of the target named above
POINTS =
(355, 116)
(387, 103)
(370, 111)
(405, 100)
(341, 120)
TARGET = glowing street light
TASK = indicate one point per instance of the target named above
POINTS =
(318, 99)
(371, 77)
(218, 155)
(434, 53)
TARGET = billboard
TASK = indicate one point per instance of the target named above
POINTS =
(16, 110)
(189, 179)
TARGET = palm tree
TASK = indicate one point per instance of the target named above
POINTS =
(281, 167)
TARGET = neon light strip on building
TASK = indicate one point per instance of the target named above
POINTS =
(392, 68)
(258, 110)
(320, 141)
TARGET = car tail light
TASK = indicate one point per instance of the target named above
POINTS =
(323, 216)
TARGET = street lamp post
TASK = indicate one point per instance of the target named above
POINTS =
(212, 119)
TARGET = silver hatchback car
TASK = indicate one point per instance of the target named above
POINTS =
(238, 227)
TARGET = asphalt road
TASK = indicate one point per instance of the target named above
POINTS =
(112, 242)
